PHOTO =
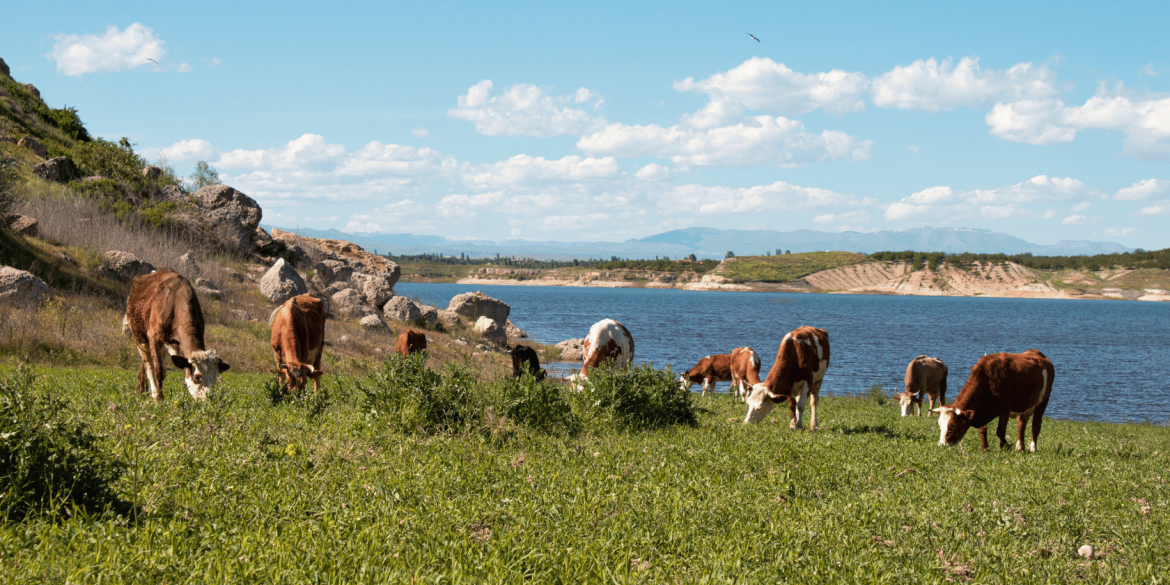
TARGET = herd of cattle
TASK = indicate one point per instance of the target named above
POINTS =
(163, 316)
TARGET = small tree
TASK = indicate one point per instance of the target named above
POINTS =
(692, 258)
(205, 175)
(730, 254)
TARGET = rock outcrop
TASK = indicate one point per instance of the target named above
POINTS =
(123, 266)
(491, 331)
(428, 314)
(34, 145)
(58, 170)
(376, 289)
(19, 286)
(23, 225)
(401, 309)
(187, 266)
(572, 350)
(347, 253)
(348, 304)
(152, 172)
(281, 282)
(232, 215)
(475, 305)
(513, 331)
(449, 319)
(372, 322)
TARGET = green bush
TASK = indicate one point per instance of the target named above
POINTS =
(539, 405)
(410, 398)
(49, 463)
(8, 178)
(113, 160)
(634, 399)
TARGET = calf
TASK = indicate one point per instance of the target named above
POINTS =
(298, 340)
(525, 357)
(410, 342)
(1001, 385)
(924, 375)
(164, 318)
(796, 377)
(608, 342)
(745, 371)
(711, 369)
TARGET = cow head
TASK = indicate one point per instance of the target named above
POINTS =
(202, 370)
(953, 424)
(907, 400)
(685, 382)
(760, 402)
(299, 376)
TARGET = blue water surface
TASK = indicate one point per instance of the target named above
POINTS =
(1112, 358)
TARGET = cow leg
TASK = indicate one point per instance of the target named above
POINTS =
(983, 436)
(805, 390)
(1020, 435)
(159, 373)
(813, 395)
(1037, 416)
(929, 398)
(792, 412)
(144, 372)
(1001, 428)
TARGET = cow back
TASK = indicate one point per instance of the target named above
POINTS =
(1016, 382)
(298, 330)
(410, 342)
(926, 374)
(803, 355)
(162, 307)
(609, 340)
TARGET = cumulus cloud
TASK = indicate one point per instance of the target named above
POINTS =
(525, 110)
(421, 132)
(852, 217)
(184, 67)
(757, 141)
(1114, 232)
(933, 86)
(1148, 70)
(943, 203)
(1082, 206)
(776, 196)
(1142, 190)
(116, 50)
(1075, 220)
(1159, 208)
(524, 171)
(188, 150)
(653, 172)
(765, 85)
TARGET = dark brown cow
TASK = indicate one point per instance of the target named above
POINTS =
(745, 371)
(711, 369)
(298, 340)
(1001, 385)
(924, 375)
(410, 342)
(524, 356)
(164, 317)
(796, 377)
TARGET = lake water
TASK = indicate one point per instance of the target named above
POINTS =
(1112, 358)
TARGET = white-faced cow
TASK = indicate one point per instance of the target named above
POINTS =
(796, 377)
(1001, 385)
(745, 371)
(410, 342)
(924, 375)
(164, 318)
(608, 342)
(298, 340)
(711, 369)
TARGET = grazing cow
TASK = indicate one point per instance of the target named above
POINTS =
(796, 376)
(1000, 385)
(608, 342)
(924, 375)
(711, 369)
(164, 317)
(298, 340)
(745, 371)
(524, 356)
(411, 341)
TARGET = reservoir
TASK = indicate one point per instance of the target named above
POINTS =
(1112, 358)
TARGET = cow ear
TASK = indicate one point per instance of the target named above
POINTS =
(316, 374)
(224, 367)
(180, 362)
(938, 410)
(968, 414)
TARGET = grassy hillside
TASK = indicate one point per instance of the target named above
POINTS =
(784, 267)
(239, 489)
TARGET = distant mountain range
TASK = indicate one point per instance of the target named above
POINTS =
(715, 243)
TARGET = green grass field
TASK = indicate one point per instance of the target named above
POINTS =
(786, 267)
(238, 489)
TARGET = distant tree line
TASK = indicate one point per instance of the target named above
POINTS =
(663, 264)
(1133, 260)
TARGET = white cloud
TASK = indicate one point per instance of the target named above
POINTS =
(913, 149)
(1142, 190)
(214, 62)
(1159, 208)
(842, 218)
(524, 171)
(1075, 220)
(525, 110)
(756, 141)
(400, 216)
(779, 195)
(933, 86)
(1148, 70)
(765, 85)
(572, 222)
(189, 150)
(421, 132)
(114, 51)
(1082, 206)
(184, 67)
(653, 172)
(1120, 232)
(941, 203)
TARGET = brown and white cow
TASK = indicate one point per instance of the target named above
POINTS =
(796, 377)
(745, 371)
(298, 340)
(924, 375)
(1001, 385)
(608, 342)
(410, 342)
(164, 318)
(711, 369)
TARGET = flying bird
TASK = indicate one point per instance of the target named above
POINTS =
(753, 37)
(151, 60)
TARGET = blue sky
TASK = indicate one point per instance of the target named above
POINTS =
(608, 121)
